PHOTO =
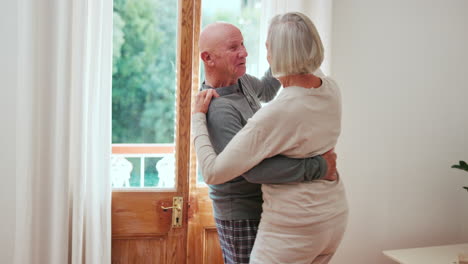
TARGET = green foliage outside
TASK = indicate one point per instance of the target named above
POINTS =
(144, 65)
(144, 71)
(151, 173)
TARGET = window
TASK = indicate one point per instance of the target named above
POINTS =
(144, 93)
(144, 84)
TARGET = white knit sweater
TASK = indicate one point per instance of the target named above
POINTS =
(299, 123)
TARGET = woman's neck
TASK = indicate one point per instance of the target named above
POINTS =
(302, 80)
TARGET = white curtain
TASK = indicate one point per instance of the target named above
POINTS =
(320, 11)
(63, 132)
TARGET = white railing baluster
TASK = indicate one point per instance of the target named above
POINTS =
(142, 171)
(121, 174)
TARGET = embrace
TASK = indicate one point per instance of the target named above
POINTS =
(277, 196)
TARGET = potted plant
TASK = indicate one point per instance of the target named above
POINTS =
(462, 166)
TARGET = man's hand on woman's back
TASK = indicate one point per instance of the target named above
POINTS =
(332, 173)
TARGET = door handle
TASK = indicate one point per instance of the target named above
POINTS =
(171, 207)
(177, 206)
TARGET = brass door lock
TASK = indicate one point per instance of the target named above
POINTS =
(177, 206)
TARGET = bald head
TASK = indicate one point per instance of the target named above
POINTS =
(214, 34)
(223, 54)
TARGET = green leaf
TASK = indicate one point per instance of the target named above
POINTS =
(462, 166)
(465, 187)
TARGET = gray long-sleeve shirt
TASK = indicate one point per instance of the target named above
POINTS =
(241, 198)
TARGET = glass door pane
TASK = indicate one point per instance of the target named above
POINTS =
(144, 93)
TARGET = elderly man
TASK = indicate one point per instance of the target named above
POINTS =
(238, 203)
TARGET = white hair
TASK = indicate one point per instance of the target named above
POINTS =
(294, 45)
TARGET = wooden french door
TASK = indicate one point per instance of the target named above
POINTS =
(142, 231)
(203, 242)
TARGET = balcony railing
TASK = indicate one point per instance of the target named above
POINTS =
(143, 166)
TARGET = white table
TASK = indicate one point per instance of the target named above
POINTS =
(447, 254)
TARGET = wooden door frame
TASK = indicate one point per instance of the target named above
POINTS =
(185, 47)
(202, 247)
(187, 42)
(193, 239)
(177, 249)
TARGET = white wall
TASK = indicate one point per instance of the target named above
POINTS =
(320, 11)
(8, 29)
(402, 66)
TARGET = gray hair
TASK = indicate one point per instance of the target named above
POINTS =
(294, 45)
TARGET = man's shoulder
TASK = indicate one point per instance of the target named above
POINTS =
(247, 76)
(223, 102)
(247, 79)
(221, 108)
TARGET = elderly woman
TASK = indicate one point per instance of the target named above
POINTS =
(301, 222)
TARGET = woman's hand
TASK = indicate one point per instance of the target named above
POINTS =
(203, 99)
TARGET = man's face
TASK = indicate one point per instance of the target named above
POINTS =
(231, 55)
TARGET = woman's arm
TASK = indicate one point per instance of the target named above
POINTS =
(244, 151)
(267, 87)
(262, 137)
(224, 121)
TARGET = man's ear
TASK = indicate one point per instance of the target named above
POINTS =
(207, 58)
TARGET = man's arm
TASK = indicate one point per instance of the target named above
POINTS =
(224, 122)
(281, 169)
(266, 88)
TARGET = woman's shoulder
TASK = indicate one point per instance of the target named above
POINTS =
(272, 111)
(330, 82)
(331, 87)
